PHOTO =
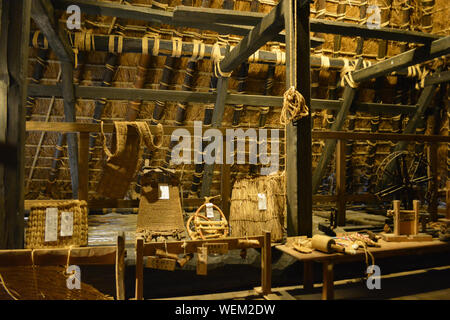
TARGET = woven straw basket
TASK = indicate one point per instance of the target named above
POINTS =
(35, 232)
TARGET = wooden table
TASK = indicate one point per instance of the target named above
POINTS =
(387, 249)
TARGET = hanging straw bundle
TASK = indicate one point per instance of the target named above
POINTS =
(246, 218)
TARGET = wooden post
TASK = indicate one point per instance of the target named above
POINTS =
(266, 264)
(416, 208)
(396, 207)
(447, 198)
(433, 184)
(308, 276)
(340, 182)
(83, 165)
(120, 267)
(14, 32)
(139, 269)
(328, 281)
(225, 186)
(298, 140)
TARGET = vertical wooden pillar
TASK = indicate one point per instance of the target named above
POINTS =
(308, 276)
(266, 265)
(447, 198)
(396, 207)
(83, 166)
(14, 32)
(120, 266)
(139, 269)
(70, 116)
(340, 182)
(433, 184)
(298, 135)
(225, 186)
(328, 281)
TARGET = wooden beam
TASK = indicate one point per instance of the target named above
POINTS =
(263, 32)
(123, 11)
(83, 166)
(15, 27)
(194, 16)
(219, 109)
(70, 116)
(113, 93)
(437, 78)
(43, 15)
(421, 54)
(104, 255)
(340, 182)
(328, 151)
(344, 135)
(120, 267)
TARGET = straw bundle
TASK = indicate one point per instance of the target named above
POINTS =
(245, 217)
(35, 232)
(43, 283)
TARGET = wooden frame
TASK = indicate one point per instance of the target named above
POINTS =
(101, 255)
(190, 246)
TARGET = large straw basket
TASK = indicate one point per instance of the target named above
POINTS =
(35, 232)
(246, 218)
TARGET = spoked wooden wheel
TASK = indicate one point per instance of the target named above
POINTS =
(201, 227)
(403, 176)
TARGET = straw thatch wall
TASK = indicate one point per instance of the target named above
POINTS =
(388, 90)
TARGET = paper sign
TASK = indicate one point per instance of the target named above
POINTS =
(161, 263)
(262, 201)
(164, 192)
(51, 224)
(66, 224)
(209, 210)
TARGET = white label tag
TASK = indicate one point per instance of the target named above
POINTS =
(66, 224)
(209, 210)
(262, 201)
(164, 192)
(51, 224)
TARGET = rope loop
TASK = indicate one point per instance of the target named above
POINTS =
(294, 106)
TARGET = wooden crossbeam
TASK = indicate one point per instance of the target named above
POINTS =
(43, 15)
(330, 146)
(263, 32)
(437, 78)
(112, 93)
(436, 49)
(123, 11)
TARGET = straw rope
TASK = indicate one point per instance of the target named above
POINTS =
(294, 106)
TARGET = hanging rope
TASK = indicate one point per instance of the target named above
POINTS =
(294, 106)
(217, 57)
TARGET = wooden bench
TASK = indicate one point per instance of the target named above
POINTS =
(190, 246)
(387, 249)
